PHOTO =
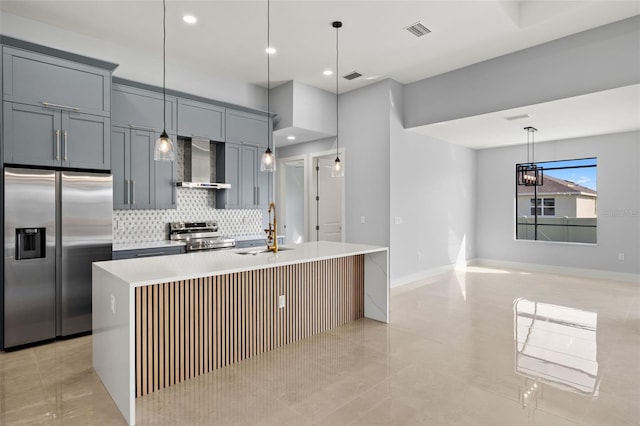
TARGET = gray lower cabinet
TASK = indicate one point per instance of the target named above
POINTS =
(239, 165)
(247, 128)
(37, 79)
(41, 136)
(139, 182)
(142, 109)
(199, 119)
(138, 253)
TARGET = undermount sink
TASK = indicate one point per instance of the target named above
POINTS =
(255, 251)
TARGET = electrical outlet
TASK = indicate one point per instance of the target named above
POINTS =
(398, 220)
(362, 219)
(419, 256)
(282, 301)
(620, 256)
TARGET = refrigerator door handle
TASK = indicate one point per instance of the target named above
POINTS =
(57, 144)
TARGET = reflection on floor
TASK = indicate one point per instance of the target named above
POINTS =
(462, 349)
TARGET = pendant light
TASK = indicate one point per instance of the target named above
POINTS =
(268, 162)
(530, 174)
(338, 167)
(164, 148)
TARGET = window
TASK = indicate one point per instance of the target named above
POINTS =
(546, 206)
(563, 207)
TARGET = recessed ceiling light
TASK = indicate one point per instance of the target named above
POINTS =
(291, 138)
(372, 77)
(270, 50)
(189, 19)
(327, 72)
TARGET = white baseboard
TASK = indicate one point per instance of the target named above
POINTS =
(408, 279)
(580, 272)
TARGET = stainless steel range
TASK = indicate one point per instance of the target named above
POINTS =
(200, 235)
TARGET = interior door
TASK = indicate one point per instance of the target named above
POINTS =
(329, 202)
(294, 203)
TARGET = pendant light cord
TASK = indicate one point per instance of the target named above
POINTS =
(268, 71)
(164, 66)
(337, 74)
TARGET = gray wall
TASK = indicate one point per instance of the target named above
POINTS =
(364, 132)
(314, 109)
(306, 148)
(618, 205)
(433, 196)
(282, 103)
(602, 58)
(433, 191)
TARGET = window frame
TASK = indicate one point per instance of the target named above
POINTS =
(593, 164)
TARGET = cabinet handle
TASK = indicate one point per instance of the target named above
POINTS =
(155, 253)
(57, 132)
(193, 135)
(258, 196)
(66, 144)
(127, 197)
(50, 105)
(135, 126)
(133, 192)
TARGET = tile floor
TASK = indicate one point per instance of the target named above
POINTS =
(458, 351)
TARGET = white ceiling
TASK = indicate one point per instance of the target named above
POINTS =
(600, 113)
(230, 36)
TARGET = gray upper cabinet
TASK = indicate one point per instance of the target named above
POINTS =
(38, 79)
(246, 128)
(142, 109)
(239, 165)
(165, 175)
(139, 182)
(199, 119)
(42, 136)
(229, 170)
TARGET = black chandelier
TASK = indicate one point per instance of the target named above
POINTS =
(530, 174)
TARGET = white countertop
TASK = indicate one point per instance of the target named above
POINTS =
(157, 269)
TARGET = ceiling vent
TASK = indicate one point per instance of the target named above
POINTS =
(352, 75)
(418, 29)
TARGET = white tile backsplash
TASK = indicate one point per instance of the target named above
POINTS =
(193, 205)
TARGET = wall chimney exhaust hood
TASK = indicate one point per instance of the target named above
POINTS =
(197, 166)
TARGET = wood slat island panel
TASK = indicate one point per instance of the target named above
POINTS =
(190, 327)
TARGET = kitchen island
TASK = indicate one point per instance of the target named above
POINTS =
(161, 320)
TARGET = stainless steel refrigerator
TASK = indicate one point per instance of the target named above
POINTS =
(56, 223)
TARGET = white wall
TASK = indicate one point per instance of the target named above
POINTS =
(618, 205)
(135, 65)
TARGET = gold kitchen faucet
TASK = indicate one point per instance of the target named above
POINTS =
(272, 237)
